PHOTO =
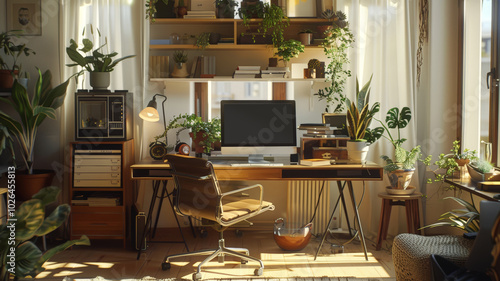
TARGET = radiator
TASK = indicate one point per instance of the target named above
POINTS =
(302, 199)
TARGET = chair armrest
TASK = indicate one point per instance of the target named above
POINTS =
(239, 190)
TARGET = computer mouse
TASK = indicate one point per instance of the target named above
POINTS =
(496, 196)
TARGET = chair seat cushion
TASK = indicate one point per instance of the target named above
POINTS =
(411, 253)
(235, 209)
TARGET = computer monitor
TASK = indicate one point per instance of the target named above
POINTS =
(258, 127)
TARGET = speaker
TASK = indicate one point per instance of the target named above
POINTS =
(140, 222)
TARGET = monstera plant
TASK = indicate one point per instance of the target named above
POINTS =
(19, 255)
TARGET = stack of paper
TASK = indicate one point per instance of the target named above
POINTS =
(247, 72)
(200, 15)
(275, 72)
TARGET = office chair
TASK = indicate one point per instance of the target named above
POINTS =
(198, 195)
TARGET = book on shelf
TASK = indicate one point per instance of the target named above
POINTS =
(199, 17)
(158, 66)
(278, 68)
(255, 72)
(203, 13)
(272, 75)
(315, 162)
(249, 68)
(235, 75)
(203, 67)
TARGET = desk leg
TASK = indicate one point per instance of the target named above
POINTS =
(356, 213)
(341, 190)
(163, 192)
(178, 224)
(341, 194)
(156, 185)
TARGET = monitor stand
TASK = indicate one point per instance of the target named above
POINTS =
(257, 159)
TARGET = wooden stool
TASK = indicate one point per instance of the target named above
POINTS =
(410, 202)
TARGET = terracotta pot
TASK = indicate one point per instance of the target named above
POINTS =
(6, 78)
(198, 148)
(181, 11)
(400, 179)
(28, 185)
(305, 38)
(462, 162)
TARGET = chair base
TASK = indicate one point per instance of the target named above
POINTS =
(220, 252)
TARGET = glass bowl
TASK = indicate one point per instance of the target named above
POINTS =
(291, 239)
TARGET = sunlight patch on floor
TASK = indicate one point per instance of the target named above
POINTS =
(101, 264)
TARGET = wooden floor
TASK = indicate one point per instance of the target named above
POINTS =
(109, 261)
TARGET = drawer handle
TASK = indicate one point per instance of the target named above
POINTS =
(114, 168)
(115, 175)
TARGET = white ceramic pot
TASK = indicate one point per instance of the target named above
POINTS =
(357, 151)
(100, 80)
(400, 179)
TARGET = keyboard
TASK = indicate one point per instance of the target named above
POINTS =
(255, 164)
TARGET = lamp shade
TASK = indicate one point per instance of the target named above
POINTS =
(150, 114)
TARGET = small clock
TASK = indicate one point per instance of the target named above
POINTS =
(157, 150)
(183, 148)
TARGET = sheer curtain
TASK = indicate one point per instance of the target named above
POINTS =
(386, 34)
(121, 23)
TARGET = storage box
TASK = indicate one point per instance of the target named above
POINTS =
(202, 5)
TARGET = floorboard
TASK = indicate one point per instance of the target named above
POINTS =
(108, 260)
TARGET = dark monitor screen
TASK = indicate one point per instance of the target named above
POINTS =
(254, 123)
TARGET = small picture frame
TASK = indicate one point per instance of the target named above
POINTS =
(24, 16)
(338, 120)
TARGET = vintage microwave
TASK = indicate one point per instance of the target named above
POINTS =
(103, 115)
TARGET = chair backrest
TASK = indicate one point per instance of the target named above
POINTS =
(480, 257)
(198, 192)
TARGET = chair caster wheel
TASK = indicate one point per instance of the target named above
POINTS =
(258, 272)
(196, 276)
(244, 261)
(165, 266)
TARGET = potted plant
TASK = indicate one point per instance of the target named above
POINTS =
(466, 219)
(203, 133)
(305, 37)
(400, 169)
(359, 118)
(454, 161)
(14, 51)
(480, 170)
(203, 40)
(335, 46)
(289, 49)
(32, 111)
(30, 222)
(225, 8)
(274, 21)
(180, 69)
(96, 61)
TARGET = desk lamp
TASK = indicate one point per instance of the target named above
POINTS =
(157, 149)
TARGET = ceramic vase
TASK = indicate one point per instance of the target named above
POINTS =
(357, 151)
(100, 80)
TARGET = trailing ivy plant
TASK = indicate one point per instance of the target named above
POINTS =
(274, 21)
(335, 46)
(151, 9)
(203, 40)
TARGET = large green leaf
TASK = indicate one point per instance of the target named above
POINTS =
(47, 195)
(84, 241)
(30, 216)
(54, 220)
(27, 256)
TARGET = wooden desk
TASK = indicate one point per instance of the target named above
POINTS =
(160, 171)
(471, 187)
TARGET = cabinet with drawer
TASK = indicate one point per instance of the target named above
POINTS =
(99, 191)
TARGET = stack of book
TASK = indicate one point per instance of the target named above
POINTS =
(320, 130)
(203, 67)
(96, 202)
(247, 72)
(200, 15)
(158, 66)
(275, 72)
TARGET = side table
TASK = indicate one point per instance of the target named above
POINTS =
(411, 203)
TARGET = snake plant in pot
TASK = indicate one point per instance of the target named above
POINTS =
(359, 118)
(32, 110)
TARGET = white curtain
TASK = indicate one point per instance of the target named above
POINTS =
(121, 23)
(386, 36)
